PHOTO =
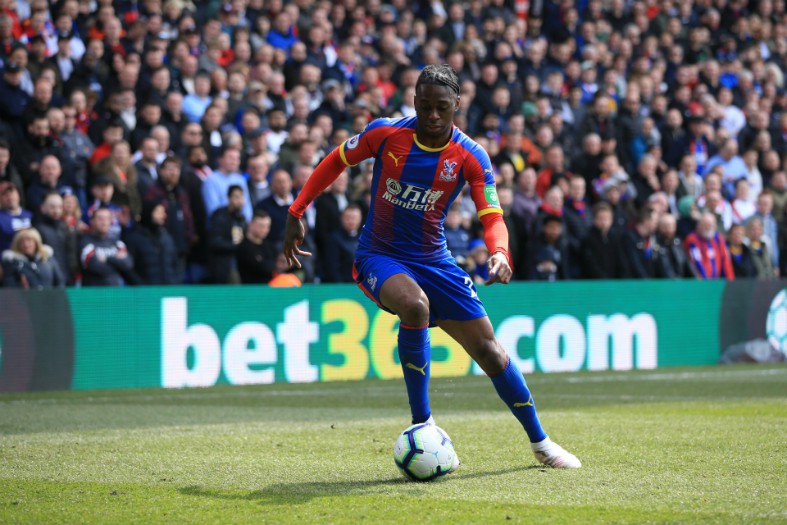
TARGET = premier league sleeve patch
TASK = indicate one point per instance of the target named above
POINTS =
(491, 196)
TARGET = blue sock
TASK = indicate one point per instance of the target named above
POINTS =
(512, 389)
(414, 354)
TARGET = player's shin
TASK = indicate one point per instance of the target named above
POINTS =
(414, 354)
(512, 389)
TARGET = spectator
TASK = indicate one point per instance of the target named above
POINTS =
(149, 117)
(690, 180)
(225, 234)
(104, 258)
(13, 99)
(8, 172)
(733, 167)
(601, 249)
(526, 204)
(551, 259)
(577, 222)
(641, 254)
(215, 187)
(707, 250)
(29, 263)
(770, 229)
(715, 203)
(629, 83)
(151, 247)
(147, 167)
(553, 170)
(599, 119)
(672, 189)
(741, 207)
(340, 251)
(674, 259)
(12, 216)
(777, 187)
(257, 171)
(49, 179)
(256, 255)
(33, 146)
(588, 162)
(195, 104)
(646, 179)
(740, 253)
(117, 167)
(753, 175)
(56, 234)
(552, 206)
(329, 207)
(760, 249)
(77, 151)
(111, 135)
(456, 235)
(180, 219)
(277, 203)
(694, 143)
(477, 255)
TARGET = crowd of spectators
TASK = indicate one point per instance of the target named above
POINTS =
(162, 141)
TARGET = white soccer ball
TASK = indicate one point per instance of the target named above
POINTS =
(424, 452)
(776, 324)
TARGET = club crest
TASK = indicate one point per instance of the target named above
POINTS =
(448, 175)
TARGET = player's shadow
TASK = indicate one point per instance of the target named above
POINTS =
(298, 493)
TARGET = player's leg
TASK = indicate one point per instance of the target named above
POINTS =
(401, 295)
(478, 339)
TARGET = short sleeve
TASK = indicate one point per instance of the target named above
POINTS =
(365, 144)
(481, 177)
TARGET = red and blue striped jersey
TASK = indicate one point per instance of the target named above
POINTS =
(413, 187)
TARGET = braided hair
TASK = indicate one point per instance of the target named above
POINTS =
(439, 75)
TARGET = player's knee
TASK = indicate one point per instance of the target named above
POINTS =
(414, 310)
(491, 357)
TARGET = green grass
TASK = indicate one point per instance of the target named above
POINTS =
(688, 446)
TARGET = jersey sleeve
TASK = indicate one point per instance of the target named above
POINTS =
(481, 178)
(365, 144)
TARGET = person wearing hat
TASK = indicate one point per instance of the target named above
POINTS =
(13, 99)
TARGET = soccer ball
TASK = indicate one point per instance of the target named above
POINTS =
(776, 324)
(424, 452)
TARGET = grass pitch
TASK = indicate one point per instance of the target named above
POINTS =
(676, 445)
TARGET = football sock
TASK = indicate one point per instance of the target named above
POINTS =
(512, 389)
(414, 354)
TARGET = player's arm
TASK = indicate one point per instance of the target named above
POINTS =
(349, 153)
(484, 195)
(323, 175)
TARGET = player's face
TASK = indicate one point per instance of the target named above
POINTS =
(435, 107)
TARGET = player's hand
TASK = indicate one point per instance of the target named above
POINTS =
(499, 269)
(293, 236)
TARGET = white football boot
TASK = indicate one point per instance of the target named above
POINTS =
(553, 455)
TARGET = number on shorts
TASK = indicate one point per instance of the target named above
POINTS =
(469, 283)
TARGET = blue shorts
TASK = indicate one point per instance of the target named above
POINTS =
(451, 292)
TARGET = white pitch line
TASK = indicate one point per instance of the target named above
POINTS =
(660, 376)
(387, 388)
